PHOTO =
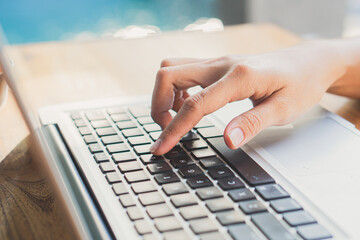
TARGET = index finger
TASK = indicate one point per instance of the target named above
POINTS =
(194, 108)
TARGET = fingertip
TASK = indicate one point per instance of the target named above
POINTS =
(234, 137)
(163, 145)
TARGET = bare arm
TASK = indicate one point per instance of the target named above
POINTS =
(349, 84)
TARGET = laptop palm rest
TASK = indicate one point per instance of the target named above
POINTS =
(320, 156)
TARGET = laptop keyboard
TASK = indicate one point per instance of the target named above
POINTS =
(200, 189)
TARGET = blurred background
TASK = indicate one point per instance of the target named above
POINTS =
(26, 21)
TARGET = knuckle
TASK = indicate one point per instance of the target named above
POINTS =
(253, 122)
(220, 60)
(241, 69)
(165, 63)
(193, 103)
(162, 74)
(225, 58)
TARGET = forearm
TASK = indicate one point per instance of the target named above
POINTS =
(349, 83)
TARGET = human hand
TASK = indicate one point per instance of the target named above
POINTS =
(281, 85)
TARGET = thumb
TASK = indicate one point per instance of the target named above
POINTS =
(244, 127)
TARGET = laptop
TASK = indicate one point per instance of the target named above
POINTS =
(299, 181)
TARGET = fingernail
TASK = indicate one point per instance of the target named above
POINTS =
(236, 136)
(155, 146)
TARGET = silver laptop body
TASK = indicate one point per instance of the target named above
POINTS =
(315, 161)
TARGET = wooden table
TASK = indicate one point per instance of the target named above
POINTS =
(70, 71)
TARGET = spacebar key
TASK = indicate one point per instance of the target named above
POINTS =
(241, 163)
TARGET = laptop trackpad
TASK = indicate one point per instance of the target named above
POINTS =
(322, 159)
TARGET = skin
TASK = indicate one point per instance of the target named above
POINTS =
(282, 85)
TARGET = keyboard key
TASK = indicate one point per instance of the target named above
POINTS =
(119, 188)
(195, 144)
(106, 167)
(145, 120)
(182, 200)
(120, 117)
(116, 148)
(111, 139)
(192, 212)
(149, 158)
(132, 132)
(84, 131)
(241, 163)
(238, 195)
(143, 187)
(253, 206)
(203, 153)
(152, 128)
(100, 124)
(176, 235)
(155, 168)
(95, 148)
(134, 213)
(210, 132)
(199, 181)
(298, 218)
(139, 111)
(115, 110)
(151, 198)
(113, 177)
(90, 139)
(189, 171)
(212, 236)
(174, 188)
(123, 157)
(105, 131)
(181, 162)
(242, 232)
(203, 225)
(176, 153)
(158, 210)
(211, 162)
(142, 227)
(230, 183)
(271, 227)
(221, 204)
(230, 217)
(142, 149)
(167, 177)
(313, 231)
(126, 125)
(166, 224)
(126, 200)
(136, 176)
(155, 135)
(95, 115)
(208, 193)
(189, 137)
(75, 116)
(204, 122)
(101, 157)
(129, 166)
(285, 205)
(220, 172)
(139, 140)
(271, 192)
(80, 123)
